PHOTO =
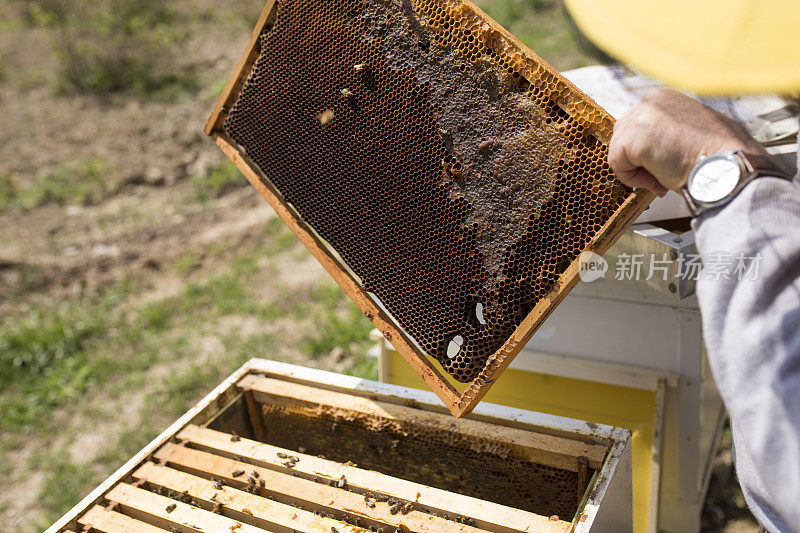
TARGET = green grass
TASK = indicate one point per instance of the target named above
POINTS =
(543, 27)
(348, 331)
(55, 353)
(33, 344)
(248, 11)
(339, 324)
(104, 46)
(83, 182)
(61, 356)
(8, 191)
(282, 239)
(46, 354)
(217, 181)
(66, 482)
(185, 263)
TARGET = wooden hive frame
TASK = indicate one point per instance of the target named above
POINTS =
(459, 404)
(190, 478)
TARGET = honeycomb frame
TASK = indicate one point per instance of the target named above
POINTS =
(515, 57)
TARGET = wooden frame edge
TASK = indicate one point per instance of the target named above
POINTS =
(605, 127)
(242, 69)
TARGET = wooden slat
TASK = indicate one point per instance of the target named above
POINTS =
(243, 506)
(304, 493)
(487, 515)
(108, 521)
(332, 264)
(558, 452)
(255, 418)
(146, 505)
(242, 69)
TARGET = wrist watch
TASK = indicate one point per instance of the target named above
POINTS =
(716, 179)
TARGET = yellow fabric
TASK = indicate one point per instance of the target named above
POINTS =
(709, 47)
(585, 400)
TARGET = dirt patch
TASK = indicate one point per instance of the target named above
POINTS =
(148, 221)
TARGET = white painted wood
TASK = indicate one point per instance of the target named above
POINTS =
(611, 507)
(594, 370)
(657, 456)
(614, 331)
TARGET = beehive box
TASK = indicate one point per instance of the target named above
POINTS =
(445, 175)
(283, 448)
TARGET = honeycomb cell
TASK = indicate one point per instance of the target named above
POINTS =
(438, 457)
(443, 165)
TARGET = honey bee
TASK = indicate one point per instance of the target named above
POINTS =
(171, 507)
(342, 482)
(235, 437)
(237, 473)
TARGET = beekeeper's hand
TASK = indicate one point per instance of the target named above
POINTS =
(658, 141)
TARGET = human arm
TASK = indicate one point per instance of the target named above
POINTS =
(751, 326)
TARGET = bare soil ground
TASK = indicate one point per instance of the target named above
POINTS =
(146, 291)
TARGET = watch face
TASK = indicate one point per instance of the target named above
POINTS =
(714, 179)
